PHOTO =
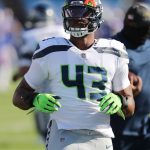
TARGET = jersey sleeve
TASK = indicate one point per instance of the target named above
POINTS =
(38, 71)
(36, 74)
(120, 79)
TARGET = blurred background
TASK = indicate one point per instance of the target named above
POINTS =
(17, 129)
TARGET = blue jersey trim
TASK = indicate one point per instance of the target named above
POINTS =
(51, 49)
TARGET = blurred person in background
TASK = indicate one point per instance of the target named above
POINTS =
(134, 133)
(10, 29)
(40, 25)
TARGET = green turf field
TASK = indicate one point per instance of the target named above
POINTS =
(17, 131)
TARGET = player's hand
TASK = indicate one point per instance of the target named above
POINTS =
(136, 83)
(110, 104)
(46, 103)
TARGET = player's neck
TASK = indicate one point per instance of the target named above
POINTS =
(83, 43)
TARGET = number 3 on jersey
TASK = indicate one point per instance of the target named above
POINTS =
(78, 82)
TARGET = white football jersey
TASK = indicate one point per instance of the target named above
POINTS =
(81, 79)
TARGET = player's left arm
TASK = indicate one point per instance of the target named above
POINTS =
(120, 102)
(121, 83)
(122, 87)
(127, 100)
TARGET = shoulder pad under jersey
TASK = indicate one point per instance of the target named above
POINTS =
(111, 46)
(51, 45)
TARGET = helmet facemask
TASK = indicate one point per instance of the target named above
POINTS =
(81, 19)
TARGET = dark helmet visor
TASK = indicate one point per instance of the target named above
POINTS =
(78, 12)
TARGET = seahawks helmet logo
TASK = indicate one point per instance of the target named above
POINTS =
(90, 3)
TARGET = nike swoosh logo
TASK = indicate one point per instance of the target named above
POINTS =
(108, 146)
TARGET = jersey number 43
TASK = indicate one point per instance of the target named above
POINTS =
(78, 82)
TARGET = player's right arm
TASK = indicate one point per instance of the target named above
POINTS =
(24, 95)
(25, 92)
(25, 98)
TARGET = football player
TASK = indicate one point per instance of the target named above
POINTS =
(87, 81)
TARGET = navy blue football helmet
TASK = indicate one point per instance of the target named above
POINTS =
(88, 14)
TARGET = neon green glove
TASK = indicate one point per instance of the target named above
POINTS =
(121, 114)
(46, 103)
(111, 104)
